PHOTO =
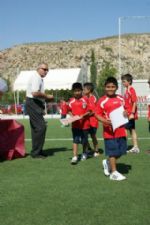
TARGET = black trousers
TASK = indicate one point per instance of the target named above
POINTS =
(35, 108)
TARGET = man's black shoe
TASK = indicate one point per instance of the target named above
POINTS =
(38, 157)
(43, 154)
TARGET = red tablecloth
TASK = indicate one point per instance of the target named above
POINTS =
(12, 143)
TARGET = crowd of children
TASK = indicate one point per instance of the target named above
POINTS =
(92, 111)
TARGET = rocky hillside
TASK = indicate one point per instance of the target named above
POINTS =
(135, 55)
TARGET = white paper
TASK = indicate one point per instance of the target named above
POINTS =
(3, 85)
(117, 118)
(69, 120)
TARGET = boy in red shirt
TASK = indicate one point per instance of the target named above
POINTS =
(63, 108)
(115, 141)
(130, 99)
(79, 106)
(88, 89)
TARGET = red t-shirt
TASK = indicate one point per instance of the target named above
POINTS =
(130, 98)
(79, 107)
(92, 106)
(63, 108)
(105, 106)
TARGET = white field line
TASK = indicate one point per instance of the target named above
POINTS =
(70, 139)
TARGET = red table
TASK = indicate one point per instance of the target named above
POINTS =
(12, 141)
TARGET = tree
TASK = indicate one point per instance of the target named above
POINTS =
(93, 69)
(107, 71)
(58, 94)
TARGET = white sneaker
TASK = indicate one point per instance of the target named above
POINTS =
(134, 150)
(117, 176)
(74, 160)
(106, 167)
(84, 156)
(96, 154)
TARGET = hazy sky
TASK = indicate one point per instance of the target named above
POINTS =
(24, 21)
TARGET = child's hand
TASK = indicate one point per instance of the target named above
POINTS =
(125, 114)
(107, 121)
(50, 97)
(81, 116)
(131, 116)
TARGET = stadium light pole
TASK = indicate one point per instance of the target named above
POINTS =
(119, 47)
(119, 42)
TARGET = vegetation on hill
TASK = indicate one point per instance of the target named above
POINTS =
(135, 55)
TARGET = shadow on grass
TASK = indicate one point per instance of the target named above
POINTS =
(52, 151)
(90, 154)
(123, 168)
(14, 158)
(101, 151)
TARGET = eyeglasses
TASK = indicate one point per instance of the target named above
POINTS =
(44, 69)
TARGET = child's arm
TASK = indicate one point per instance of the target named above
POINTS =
(131, 116)
(88, 110)
(92, 105)
(100, 114)
(69, 109)
(125, 114)
(103, 120)
(70, 113)
(134, 102)
(85, 114)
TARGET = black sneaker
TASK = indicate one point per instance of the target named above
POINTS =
(43, 154)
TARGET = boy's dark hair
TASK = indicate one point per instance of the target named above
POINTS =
(111, 80)
(89, 86)
(127, 77)
(77, 85)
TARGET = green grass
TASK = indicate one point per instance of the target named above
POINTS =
(53, 192)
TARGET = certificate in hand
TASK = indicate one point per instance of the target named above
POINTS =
(117, 118)
(69, 120)
(3, 85)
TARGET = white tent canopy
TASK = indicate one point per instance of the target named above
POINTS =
(141, 87)
(55, 79)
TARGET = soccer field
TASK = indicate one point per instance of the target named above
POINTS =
(53, 192)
